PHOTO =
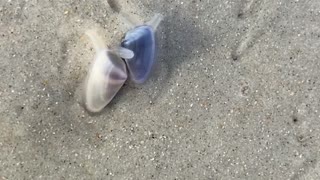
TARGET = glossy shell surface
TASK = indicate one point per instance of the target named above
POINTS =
(141, 40)
(107, 75)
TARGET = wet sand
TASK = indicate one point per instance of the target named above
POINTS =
(234, 93)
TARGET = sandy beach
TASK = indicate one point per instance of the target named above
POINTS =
(234, 93)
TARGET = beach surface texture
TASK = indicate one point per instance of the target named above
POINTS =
(234, 93)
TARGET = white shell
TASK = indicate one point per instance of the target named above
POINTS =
(107, 75)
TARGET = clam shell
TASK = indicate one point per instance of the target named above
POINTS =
(141, 41)
(107, 75)
(108, 72)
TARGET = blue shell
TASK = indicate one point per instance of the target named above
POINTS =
(141, 40)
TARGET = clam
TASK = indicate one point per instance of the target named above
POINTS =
(141, 40)
(107, 74)
(109, 71)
